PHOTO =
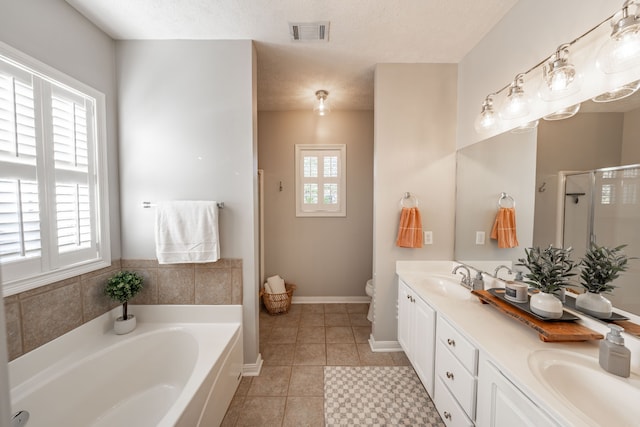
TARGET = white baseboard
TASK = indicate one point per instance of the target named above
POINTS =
(383, 346)
(330, 300)
(252, 369)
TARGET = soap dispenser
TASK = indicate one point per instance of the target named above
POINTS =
(614, 356)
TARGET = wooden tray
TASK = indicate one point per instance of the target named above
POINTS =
(547, 331)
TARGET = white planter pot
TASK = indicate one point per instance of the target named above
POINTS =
(122, 326)
(546, 305)
(594, 305)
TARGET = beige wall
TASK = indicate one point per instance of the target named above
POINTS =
(324, 257)
(415, 144)
(631, 138)
(583, 142)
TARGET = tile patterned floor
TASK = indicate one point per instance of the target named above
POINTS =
(295, 347)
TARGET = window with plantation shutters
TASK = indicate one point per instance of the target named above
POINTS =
(320, 180)
(51, 180)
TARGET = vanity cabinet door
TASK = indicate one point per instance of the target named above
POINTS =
(502, 404)
(416, 333)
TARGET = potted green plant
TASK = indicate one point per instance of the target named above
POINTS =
(600, 266)
(121, 287)
(549, 271)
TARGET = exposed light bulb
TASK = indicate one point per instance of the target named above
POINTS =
(517, 102)
(487, 120)
(322, 107)
(621, 51)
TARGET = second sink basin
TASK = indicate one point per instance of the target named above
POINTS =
(579, 382)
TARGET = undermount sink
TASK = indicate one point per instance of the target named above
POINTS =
(449, 286)
(579, 382)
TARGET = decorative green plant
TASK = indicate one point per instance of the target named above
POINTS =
(549, 269)
(123, 286)
(601, 266)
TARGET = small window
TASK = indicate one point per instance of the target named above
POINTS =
(321, 180)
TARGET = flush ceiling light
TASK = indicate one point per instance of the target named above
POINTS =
(322, 107)
(487, 120)
(559, 76)
(621, 51)
(619, 93)
(517, 102)
(564, 113)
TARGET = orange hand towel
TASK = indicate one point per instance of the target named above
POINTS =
(504, 228)
(410, 230)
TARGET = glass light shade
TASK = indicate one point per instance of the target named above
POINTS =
(516, 104)
(564, 113)
(487, 120)
(621, 52)
(526, 128)
(560, 77)
(322, 107)
(619, 93)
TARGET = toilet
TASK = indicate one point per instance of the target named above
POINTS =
(369, 290)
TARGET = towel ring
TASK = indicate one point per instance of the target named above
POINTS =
(505, 196)
(409, 198)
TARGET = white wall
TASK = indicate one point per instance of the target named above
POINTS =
(323, 256)
(55, 34)
(531, 31)
(414, 151)
(188, 132)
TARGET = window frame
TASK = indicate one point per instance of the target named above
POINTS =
(321, 209)
(98, 180)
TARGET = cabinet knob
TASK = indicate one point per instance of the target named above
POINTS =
(447, 415)
(451, 342)
(450, 375)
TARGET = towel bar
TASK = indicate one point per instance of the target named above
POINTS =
(153, 205)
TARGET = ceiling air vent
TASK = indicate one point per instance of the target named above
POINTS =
(309, 31)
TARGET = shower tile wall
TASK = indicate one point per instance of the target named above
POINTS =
(40, 315)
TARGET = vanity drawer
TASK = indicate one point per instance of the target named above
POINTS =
(452, 414)
(458, 345)
(456, 378)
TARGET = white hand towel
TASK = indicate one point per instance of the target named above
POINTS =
(276, 283)
(187, 232)
(267, 288)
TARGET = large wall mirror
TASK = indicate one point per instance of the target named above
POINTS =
(562, 193)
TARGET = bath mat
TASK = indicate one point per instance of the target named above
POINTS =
(377, 396)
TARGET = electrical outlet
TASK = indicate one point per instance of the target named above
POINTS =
(479, 237)
(428, 237)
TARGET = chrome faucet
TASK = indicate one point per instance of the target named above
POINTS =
(500, 267)
(466, 279)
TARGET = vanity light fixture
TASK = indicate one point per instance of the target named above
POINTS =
(621, 51)
(517, 102)
(487, 120)
(560, 78)
(322, 107)
(619, 93)
(563, 113)
(527, 127)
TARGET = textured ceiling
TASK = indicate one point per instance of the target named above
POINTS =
(362, 34)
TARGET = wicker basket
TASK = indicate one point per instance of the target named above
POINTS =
(278, 303)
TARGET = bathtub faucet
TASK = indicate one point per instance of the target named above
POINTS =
(466, 279)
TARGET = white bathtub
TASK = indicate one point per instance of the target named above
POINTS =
(180, 367)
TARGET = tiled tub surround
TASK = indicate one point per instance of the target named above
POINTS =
(40, 315)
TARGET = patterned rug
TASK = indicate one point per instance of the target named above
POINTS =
(376, 396)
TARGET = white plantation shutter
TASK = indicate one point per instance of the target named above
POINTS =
(49, 179)
(320, 180)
